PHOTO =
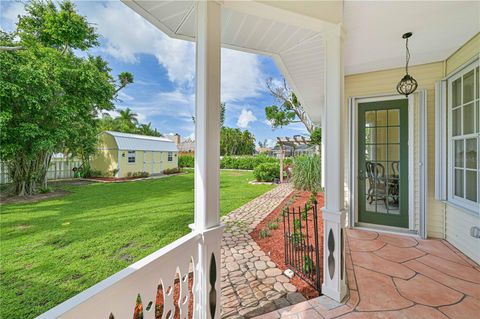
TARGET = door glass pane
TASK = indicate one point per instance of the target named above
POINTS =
(370, 135)
(393, 117)
(370, 118)
(471, 153)
(381, 153)
(381, 135)
(468, 89)
(471, 186)
(382, 118)
(456, 92)
(393, 135)
(458, 182)
(370, 152)
(468, 119)
(394, 152)
(456, 122)
(459, 153)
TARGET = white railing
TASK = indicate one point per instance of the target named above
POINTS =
(166, 281)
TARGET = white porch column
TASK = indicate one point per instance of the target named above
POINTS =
(322, 148)
(207, 159)
(334, 284)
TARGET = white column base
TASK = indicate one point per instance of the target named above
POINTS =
(334, 274)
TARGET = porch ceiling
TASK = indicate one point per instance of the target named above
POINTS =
(296, 45)
(294, 34)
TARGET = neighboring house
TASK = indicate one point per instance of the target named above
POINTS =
(121, 153)
(186, 147)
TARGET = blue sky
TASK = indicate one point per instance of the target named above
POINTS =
(164, 71)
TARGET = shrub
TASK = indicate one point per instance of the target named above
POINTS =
(306, 173)
(267, 172)
(138, 174)
(44, 190)
(169, 171)
(186, 161)
(264, 233)
(85, 171)
(246, 162)
(272, 225)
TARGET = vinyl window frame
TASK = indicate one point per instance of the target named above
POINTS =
(131, 155)
(449, 181)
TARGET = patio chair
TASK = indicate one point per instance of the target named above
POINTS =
(377, 182)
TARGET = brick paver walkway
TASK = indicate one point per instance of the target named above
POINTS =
(393, 276)
(251, 283)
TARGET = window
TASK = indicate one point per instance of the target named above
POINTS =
(464, 137)
(131, 156)
(170, 156)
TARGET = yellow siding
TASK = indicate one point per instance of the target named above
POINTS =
(126, 167)
(143, 163)
(444, 220)
(458, 221)
(380, 82)
(106, 157)
(464, 54)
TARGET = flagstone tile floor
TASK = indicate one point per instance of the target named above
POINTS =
(396, 276)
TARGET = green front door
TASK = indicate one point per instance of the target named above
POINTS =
(383, 163)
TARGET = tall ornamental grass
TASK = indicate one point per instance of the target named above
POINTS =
(306, 173)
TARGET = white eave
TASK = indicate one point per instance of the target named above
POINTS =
(293, 40)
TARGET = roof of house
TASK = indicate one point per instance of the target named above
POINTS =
(136, 142)
(187, 145)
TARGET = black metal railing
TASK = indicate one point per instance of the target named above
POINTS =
(303, 244)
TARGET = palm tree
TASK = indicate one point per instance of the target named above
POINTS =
(128, 116)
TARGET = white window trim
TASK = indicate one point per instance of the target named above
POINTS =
(135, 157)
(170, 156)
(456, 201)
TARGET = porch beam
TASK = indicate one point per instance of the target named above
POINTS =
(334, 283)
(207, 288)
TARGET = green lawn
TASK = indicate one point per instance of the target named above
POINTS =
(54, 249)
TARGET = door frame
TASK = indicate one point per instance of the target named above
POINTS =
(422, 165)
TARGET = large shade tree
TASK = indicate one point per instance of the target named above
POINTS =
(50, 96)
(288, 110)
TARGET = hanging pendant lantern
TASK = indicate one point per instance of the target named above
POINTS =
(407, 84)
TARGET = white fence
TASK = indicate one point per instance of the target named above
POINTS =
(60, 168)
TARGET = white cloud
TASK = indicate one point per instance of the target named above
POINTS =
(246, 116)
(127, 35)
(124, 96)
(268, 122)
(9, 14)
(242, 76)
(271, 142)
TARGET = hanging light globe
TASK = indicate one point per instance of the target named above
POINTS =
(407, 84)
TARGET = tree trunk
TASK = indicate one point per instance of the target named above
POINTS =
(25, 172)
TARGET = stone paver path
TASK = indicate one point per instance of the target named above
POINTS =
(393, 276)
(251, 283)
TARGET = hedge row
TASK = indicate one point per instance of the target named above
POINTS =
(234, 162)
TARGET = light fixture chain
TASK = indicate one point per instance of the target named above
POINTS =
(407, 56)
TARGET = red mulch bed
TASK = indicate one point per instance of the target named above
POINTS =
(114, 179)
(273, 245)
